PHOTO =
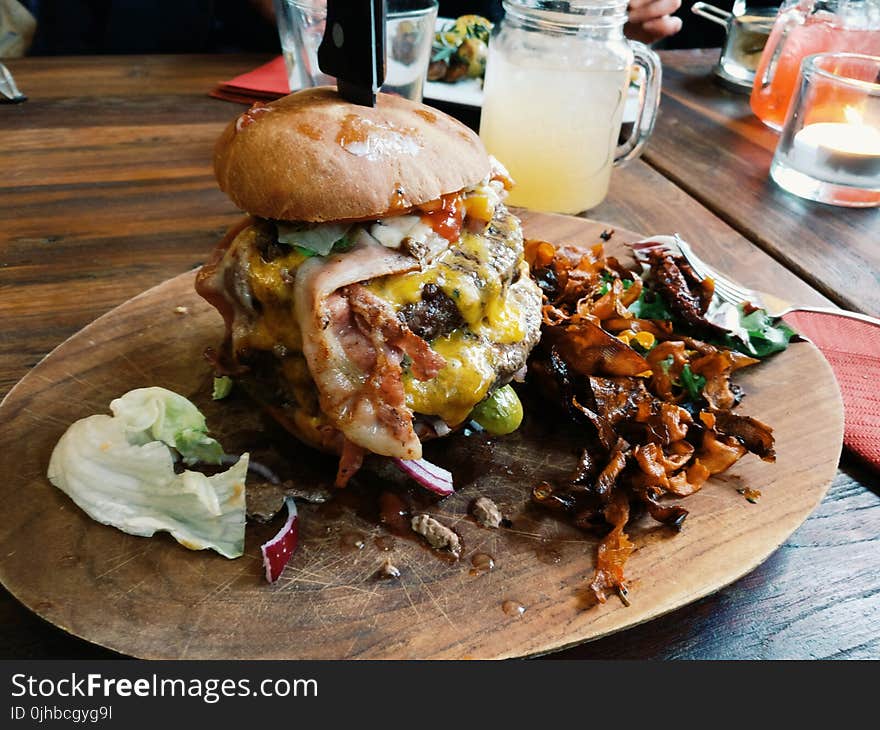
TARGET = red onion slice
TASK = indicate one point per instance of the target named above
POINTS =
(642, 249)
(430, 476)
(277, 552)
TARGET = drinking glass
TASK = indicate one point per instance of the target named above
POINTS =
(409, 32)
(829, 150)
(747, 30)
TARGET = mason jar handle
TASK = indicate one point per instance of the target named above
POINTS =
(649, 101)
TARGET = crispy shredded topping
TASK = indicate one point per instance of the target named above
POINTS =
(621, 355)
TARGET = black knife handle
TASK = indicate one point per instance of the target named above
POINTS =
(353, 48)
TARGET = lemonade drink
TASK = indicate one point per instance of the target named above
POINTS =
(554, 127)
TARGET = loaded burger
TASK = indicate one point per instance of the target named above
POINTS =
(376, 295)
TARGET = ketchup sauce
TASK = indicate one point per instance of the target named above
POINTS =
(445, 216)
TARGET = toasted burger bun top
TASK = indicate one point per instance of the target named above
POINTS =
(312, 156)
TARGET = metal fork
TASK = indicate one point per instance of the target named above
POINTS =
(729, 291)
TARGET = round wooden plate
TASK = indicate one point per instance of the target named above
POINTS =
(153, 598)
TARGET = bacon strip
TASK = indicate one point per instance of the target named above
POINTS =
(351, 459)
(354, 344)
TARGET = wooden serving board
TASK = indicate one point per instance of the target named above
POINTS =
(153, 598)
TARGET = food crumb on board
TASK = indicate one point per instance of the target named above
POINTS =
(388, 570)
(486, 513)
(438, 535)
(312, 494)
(751, 495)
(513, 608)
(181, 310)
(264, 500)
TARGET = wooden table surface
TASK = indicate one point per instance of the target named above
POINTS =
(107, 190)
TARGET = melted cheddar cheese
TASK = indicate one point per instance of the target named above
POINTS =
(465, 275)
(277, 325)
(462, 383)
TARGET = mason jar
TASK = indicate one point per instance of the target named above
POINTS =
(558, 78)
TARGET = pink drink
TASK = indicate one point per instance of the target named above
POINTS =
(793, 37)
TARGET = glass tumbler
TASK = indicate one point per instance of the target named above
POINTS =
(829, 150)
(409, 32)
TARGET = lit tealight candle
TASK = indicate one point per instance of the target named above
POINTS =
(844, 149)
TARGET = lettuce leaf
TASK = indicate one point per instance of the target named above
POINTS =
(120, 470)
(157, 414)
(315, 240)
(765, 335)
(755, 334)
(222, 387)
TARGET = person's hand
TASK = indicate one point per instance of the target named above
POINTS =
(651, 20)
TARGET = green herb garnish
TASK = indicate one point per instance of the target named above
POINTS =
(650, 306)
(222, 387)
(692, 382)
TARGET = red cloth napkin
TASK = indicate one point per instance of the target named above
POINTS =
(852, 348)
(264, 83)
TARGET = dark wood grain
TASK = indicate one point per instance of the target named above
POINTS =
(107, 190)
(188, 77)
(709, 143)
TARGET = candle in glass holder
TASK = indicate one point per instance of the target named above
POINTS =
(829, 150)
(846, 153)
